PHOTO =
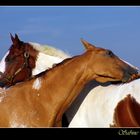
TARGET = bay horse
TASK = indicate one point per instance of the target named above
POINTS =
(42, 100)
(24, 60)
(115, 105)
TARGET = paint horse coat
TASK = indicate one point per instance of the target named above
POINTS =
(41, 101)
(110, 106)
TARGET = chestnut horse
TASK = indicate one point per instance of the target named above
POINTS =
(110, 106)
(42, 100)
(24, 60)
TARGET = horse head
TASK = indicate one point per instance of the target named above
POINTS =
(19, 62)
(107, 66)
(24, 60)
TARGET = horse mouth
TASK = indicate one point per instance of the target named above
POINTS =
(107, 78)
(132, 77)
(126, 79)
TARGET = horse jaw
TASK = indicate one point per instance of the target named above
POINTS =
(44, 62)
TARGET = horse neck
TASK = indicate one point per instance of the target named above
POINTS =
(70, 75)
(44, 62)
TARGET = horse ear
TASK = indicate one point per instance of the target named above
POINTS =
(17, 38)
(12, 38)
(87, 45)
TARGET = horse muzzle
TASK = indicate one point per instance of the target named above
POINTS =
(131, 75)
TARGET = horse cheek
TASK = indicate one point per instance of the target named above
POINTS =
(22, 76)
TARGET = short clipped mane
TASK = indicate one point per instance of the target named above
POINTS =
(56, 65)
(49, 50)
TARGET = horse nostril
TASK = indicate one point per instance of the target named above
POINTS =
(127, 77)
(130, 75)
(133, 71)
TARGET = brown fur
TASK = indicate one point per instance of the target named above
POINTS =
(15, 61)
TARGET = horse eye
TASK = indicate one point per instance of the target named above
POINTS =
(109, 53)
(8, 59)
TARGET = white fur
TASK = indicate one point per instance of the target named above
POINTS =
(98, 107)
(44, 62)
(49, 50)
(37, 84)
(47, 57)
(2, 94)
(14, 123)
(2, 63)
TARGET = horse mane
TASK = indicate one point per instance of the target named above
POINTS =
(49, 50)
(54, 66)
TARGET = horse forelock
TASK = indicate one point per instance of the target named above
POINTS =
(46, 49)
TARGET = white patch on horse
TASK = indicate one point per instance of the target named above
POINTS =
(2, 63)
(37, 84)
(44, 62)
(47, 56)
(98, 107)
(14, 123)
(2, 94)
